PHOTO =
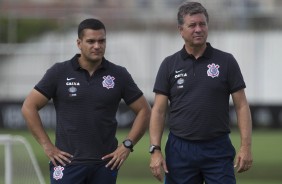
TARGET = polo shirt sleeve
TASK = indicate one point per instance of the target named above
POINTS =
(161, 85)
(130, 92)
(47, 85)
(235, 77)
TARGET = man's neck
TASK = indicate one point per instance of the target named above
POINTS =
(90, 66)
(196, 51)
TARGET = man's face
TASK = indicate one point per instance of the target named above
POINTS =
(194, 31)
(92, 44)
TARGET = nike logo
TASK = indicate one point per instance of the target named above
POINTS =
(177, 71)
(68, 79)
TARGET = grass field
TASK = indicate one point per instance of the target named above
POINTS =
(267, 153)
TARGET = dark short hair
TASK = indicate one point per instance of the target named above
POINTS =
(190, 8)
(90, 23)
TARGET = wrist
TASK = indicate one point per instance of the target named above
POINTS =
(128, 144)
(153, 148)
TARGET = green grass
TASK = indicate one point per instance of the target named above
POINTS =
(267, 151)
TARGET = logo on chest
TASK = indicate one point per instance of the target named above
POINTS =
(72, 86)
(213, 70)
(108, 82)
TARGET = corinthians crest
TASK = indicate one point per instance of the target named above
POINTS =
(108, 82)
(213, 70)
(58, 172)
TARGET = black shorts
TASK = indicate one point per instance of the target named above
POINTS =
(196, 162)
(82, 174)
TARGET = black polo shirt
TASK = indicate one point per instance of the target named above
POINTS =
(199, 92)
(86, 106)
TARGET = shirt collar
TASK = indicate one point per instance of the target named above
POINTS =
(207, 53)
(76, 66)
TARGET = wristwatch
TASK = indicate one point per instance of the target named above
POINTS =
(153, 148)
(128, 144)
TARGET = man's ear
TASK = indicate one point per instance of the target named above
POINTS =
(180, 29)
(78, 41)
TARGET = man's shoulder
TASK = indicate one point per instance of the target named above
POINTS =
(222, 56)
(173, 57)
(61, 65)
(220, 52)
(113, 66)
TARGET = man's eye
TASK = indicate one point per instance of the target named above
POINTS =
(202, 24)
(101, 41)
(90, 41)
(191, 25)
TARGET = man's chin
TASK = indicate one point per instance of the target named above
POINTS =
(199, 44)
(95, 58)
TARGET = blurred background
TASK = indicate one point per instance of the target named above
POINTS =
(35, 34)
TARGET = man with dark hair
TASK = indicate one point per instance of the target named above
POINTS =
(86, 91)
(198, 81)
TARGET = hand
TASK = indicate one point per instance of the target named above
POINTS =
(117, 157)
(157, 164)
(56, 155)
(244, 159)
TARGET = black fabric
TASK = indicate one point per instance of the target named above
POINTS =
(199, 96)
(86, 106)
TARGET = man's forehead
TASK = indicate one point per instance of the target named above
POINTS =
(195, 17)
